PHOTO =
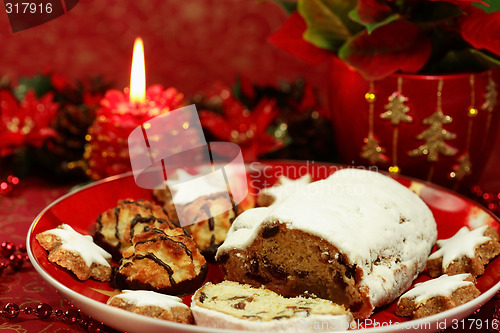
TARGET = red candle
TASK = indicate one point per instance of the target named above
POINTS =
(106, 152)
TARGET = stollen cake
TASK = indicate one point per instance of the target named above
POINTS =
(358, 238)
(283, 188)
(239, 306)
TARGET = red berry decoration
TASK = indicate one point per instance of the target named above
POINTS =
(7, 249)
(43, 311)
(22, 248)
(16, 261)
(10, 310)
(2, 267)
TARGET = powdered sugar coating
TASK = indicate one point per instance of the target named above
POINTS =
(82, 245)
(379, 224)
(444, 285)
(463, 243)
(286, 187)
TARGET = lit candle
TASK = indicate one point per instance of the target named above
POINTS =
(138, 74)
(106, 152)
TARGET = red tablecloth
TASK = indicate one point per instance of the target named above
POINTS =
(27, 288)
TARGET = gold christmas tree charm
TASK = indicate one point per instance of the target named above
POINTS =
(490, 96)
(396, 109)
(463, 168)
(372, 151)
(435, 138)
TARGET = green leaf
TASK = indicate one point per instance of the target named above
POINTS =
(485, 59)
(372, 26)
(39, 83)
(493, 6)
(468, 59)
(328, 23)
(287, 5)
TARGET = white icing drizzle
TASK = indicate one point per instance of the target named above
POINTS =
(142, 298)
(370, 217)
(83, 245)
(286, 187)
(463, 243)
(444, 285)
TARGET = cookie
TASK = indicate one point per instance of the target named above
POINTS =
(468, 251)
(76, 252)
(161, 261)
(151, 304)
(115, 227)
(437, 295)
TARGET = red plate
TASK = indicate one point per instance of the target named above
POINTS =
(80, 209)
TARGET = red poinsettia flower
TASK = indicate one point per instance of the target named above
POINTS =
(244, 127)
(26, 122)
(482, 30)
(381, 37)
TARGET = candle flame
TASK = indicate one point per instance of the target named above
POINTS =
(138, 74)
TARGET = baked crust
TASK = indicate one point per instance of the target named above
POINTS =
(304, 264)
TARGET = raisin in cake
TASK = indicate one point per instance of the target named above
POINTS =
(116, 226)
(468, 251)
(237, 306)
(437, 295)
(151, 304)
(161, 261)
(358, 238)
(76, 252)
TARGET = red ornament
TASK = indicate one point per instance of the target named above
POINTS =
(7, 249)
(107, 150)
(10, 310)
(43, 311)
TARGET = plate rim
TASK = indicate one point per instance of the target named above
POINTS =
(95, 306)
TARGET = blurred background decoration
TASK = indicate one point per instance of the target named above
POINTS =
(217, 54)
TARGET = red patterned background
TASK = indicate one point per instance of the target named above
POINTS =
(188, 44)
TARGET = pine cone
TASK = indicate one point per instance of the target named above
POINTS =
(71, 124)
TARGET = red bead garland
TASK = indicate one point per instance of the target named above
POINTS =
(44, 311)
(16, 256)
(15, 260)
